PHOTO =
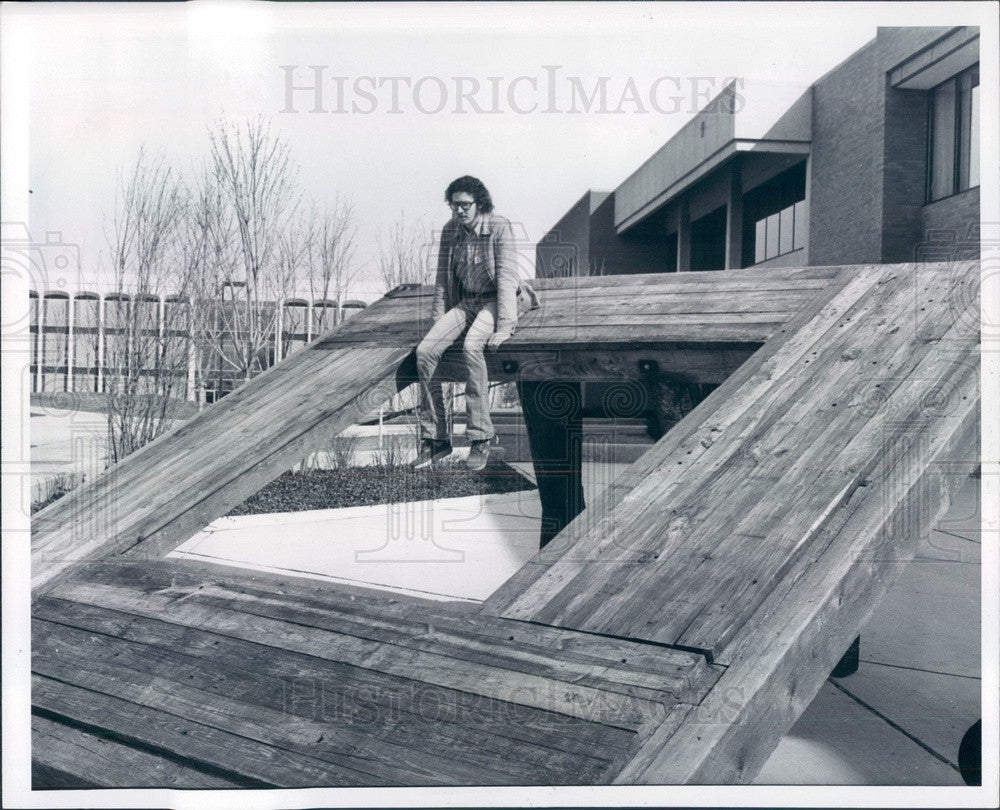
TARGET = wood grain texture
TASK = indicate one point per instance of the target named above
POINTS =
(387, 729)
(407, 691)
(72, 757)
(693, 546)
(246, 762)
(692, 308)
(458, 631)
(483, 675)
(688, 441)
(709, 363)
(788, 647)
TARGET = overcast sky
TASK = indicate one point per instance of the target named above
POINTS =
(104, 79)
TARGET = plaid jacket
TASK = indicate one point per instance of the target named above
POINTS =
(501, 264)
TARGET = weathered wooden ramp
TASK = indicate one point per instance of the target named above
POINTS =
(670, 634)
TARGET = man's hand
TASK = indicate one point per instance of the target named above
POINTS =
(493, 341)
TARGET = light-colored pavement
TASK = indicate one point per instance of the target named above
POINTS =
(66, 448)
(459, 548)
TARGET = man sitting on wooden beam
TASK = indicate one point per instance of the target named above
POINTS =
(477, 295)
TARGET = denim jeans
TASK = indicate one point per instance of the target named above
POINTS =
(476, 317)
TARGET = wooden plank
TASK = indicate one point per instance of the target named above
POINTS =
(906, 471)
(592, 308)
(96, 667)
(358, 686)
(697, 307)
(612, 580)
(785, 652)
(574, 700)
(45, 777)
(391, 729)
(748, 278)
(711, 364)
(713, 626)
(76, 755)
(353, 701)
(693, 453)
(621, 664)
(436, 635)
(813, 456)
(628, 599)
(619, 332)
(245, 761)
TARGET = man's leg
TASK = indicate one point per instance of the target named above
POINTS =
(477, 385)
(445, 331)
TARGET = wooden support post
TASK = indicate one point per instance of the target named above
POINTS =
(684, 238)
(554, 421)
(734, 220)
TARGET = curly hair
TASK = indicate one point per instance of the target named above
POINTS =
(474, 186)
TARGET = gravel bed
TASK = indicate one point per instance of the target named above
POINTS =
(365, 486)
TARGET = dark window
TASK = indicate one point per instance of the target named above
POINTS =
(774, 217)
(325, 316)
(708, 241)
(953, 142)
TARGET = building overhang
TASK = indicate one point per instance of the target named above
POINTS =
(707, 167)
(930, 66)
(772, 118)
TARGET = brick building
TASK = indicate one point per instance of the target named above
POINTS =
(877, 161)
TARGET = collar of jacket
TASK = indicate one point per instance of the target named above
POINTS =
(483, 228)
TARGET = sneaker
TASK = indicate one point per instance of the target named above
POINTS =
(431, 450)
(479, 453)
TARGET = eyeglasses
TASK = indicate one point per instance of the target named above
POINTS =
(465, 206)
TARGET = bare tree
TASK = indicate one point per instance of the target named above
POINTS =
(329, 266)
(404, 255)
(202, 270)
(254, 242)
(146, 332)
